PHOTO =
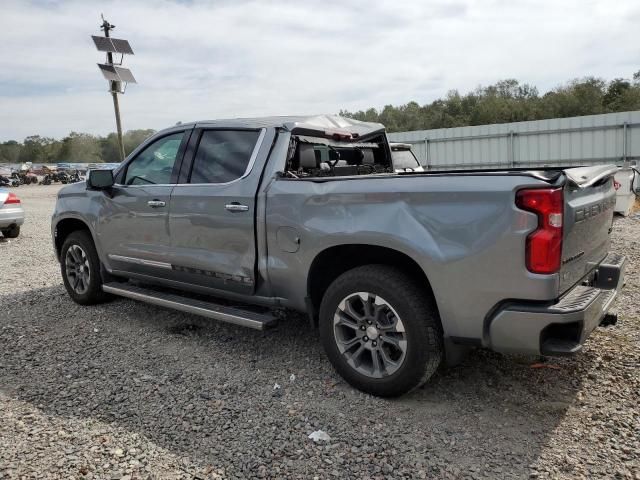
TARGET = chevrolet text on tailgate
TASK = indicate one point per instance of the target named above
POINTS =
(400, 268)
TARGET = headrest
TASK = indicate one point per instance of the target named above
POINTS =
(367, 157)
(307, 156)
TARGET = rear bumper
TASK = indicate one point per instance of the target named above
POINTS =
(11, 216)
(563, 327)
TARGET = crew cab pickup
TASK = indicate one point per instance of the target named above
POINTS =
(399, 268)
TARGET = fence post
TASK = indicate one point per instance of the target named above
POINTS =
(512, 153)
(426, 153)
(625, 129)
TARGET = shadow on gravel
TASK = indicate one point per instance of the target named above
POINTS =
(186, 329)
(205, 390)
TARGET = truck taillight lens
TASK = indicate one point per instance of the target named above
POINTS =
(544, 245)
(12, 198)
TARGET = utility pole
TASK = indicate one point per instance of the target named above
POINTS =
(115, 75)
(115, 88)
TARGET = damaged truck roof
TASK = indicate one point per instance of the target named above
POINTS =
(303, 123)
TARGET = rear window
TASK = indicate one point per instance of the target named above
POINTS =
(223, 155)
(404, 159)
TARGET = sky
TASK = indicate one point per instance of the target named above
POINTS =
(199, 60)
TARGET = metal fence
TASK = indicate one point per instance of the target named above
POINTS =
(593, 139)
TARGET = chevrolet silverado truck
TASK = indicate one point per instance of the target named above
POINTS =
(400, 269)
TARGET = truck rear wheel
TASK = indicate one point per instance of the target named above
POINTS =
(381, 332)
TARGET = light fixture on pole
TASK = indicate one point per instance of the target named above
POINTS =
(117, 75)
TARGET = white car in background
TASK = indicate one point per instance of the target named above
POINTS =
(403, 158)
(11, 214)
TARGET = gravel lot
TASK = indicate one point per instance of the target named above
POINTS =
(125, 390)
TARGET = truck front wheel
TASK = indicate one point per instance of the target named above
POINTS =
(80, 268)
(381, 332)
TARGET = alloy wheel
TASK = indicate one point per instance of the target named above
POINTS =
(370, 334)
(78, 270)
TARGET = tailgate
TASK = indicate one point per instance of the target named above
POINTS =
(589, 198)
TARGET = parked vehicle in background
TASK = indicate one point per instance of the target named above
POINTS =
(11, 214)
(6, 180)
(16, 179)
(397, 269)
(57, 174)
(24, 177)
(47, 179)
(73, 176)
(50, 175)
(404, 159)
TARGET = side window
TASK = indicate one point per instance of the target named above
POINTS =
(223, 155)
(155, 163)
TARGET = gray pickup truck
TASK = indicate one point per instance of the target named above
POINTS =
(399, 268)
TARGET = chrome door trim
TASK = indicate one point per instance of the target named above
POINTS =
(140, 261)
(150, 185)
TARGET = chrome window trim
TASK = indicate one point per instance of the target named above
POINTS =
(136, 151)
(247, 172)
(252, 159)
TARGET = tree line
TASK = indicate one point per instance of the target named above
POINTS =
(74, 148)
(509, 101)
(505, 101)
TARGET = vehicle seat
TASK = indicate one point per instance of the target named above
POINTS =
(307, 156)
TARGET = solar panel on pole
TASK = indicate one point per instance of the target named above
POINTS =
(125, 75)
(115, 45)
(122, 46)
(109, 71)
(115, 75)
(103, 44)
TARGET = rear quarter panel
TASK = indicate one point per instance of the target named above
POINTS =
(464, 231)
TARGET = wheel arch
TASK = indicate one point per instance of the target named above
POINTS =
(332, 262)
(64, 227)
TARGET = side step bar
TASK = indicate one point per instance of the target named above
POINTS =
(245, 318)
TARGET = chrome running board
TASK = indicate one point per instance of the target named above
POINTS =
(245, 318)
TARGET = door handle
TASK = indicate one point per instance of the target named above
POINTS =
(236, 207)
(156, 203)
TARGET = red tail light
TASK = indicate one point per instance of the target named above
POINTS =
(12, 198)
(544, 245)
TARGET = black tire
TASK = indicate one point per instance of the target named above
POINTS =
(418, 314)
(12, 232)
(93, 293)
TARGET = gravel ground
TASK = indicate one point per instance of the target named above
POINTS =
(125, 390)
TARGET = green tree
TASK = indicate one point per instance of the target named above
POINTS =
(615, 94)
(510, 101)
(10, 151)
(37, 149)
(80, 147)
(133, 138)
